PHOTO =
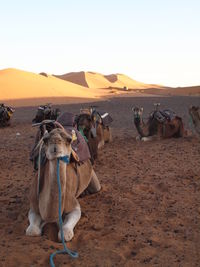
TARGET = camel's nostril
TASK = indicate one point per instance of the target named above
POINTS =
(54, 149)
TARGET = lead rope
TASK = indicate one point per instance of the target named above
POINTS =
(73, 254)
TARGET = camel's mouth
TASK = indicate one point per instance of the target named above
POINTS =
(56, 151)
(57, 155)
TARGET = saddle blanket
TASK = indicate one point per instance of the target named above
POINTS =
(164, 115)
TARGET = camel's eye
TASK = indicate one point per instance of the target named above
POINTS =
(57, 141)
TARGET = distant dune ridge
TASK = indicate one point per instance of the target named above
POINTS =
(18, 84)
(97, 80)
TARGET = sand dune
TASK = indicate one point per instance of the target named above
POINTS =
(97, 80)
(191, 90)
(17, 84)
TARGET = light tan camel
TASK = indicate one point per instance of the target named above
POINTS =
(74, 177)
(153, 129)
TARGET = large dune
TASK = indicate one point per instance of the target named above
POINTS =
(17, 84)
(97, 80)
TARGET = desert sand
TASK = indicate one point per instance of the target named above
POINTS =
(17, 84)
(147, 213)
(96, 80)
(22, 88)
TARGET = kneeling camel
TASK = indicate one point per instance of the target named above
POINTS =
(75, 177)
(155, 128)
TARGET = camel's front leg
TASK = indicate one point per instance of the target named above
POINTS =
(70, 222)
(148, 138)
(101, 144)
(35, 228)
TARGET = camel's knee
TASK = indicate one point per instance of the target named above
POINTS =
(94, 185)
(34, 228)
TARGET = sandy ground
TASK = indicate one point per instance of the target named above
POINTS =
(147, 213)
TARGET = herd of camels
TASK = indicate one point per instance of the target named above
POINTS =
(79, 138)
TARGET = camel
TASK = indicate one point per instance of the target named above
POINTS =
(6, 113)
(195, 116)
(45, 112)
(75, 177)
(102, 122)
(86, 127)
(155, 128)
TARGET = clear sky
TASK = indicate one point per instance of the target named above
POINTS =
(153, 41)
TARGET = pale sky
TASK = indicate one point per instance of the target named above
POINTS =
(153, 41)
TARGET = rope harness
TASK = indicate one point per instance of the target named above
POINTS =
(73, 254)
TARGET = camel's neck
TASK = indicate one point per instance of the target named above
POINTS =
(142, 127)
(53, 173)
(48, 200)
(196, 121)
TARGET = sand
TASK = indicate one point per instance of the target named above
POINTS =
(97, 80)
(17, 84)
(147, 213)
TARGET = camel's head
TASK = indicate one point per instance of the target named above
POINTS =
(85, 123)
(96, 118)
(57, 144)
(137, 113)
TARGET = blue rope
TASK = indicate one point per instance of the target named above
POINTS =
(73, 254)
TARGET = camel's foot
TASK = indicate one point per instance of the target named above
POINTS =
(33, 230)
(70, 221)
(68, 234)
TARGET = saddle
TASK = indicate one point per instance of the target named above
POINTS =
(98, 116)
(2, 110)
(106, 118)
(163, 116)
(4, 113)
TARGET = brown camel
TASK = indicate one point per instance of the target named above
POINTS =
(75, 177)
(195, 116)
(101, 121)
(155, 129)
(87, 128)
